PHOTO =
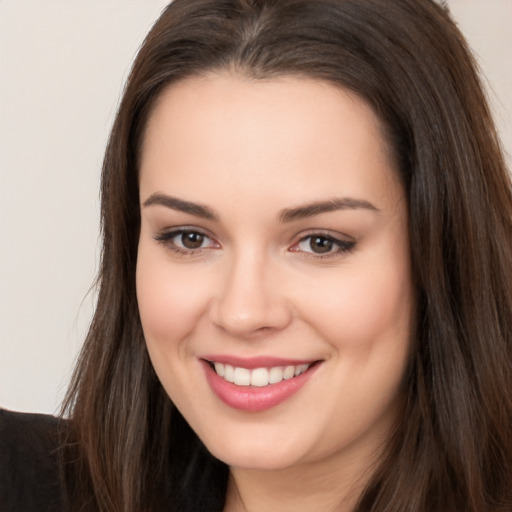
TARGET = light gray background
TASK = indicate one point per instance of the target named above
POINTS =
(62, 66)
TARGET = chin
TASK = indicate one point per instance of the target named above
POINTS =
(257, 455)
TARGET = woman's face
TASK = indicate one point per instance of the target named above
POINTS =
(274, 253)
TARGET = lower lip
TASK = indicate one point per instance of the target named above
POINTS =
(252, 398)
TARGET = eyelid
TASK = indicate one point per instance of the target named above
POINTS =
(343, 242)
(166, 236)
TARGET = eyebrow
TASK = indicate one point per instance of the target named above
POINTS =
(180, 205)
(286, 215)
(316, 208)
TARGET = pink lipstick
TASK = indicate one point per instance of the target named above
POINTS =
(256, 384)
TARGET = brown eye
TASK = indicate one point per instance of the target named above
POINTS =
(321, 244)
(192, 240)
(186, 241)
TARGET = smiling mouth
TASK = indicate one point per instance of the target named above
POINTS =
(258, 377)
(258, 383)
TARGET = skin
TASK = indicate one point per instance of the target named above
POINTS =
(258, 286)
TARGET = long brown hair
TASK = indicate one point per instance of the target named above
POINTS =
(452, 449)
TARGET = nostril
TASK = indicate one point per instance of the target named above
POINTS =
(245, 308)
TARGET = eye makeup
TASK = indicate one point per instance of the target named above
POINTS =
(188, 241)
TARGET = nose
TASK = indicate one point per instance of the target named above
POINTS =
(250, 299)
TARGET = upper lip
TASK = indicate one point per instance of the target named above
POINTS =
(255, 362)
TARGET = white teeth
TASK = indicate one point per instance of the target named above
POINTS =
(259, 377)
(229, 373)
(219, 368)
(300, 369)
(242, 377)
(289, 372)
(275, 375)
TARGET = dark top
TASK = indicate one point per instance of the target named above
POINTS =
(29, 463)
(31, 479)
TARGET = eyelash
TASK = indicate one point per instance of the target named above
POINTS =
(166, 239)
(343, 246)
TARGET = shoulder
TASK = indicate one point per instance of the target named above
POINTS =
(29, 462)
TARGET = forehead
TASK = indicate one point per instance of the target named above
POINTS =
(293, 134)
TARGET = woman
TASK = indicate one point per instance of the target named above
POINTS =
(304, 296)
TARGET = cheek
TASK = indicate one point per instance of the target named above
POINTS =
(368, 304)
(170, 298)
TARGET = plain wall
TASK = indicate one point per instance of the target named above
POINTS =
(62, 66)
